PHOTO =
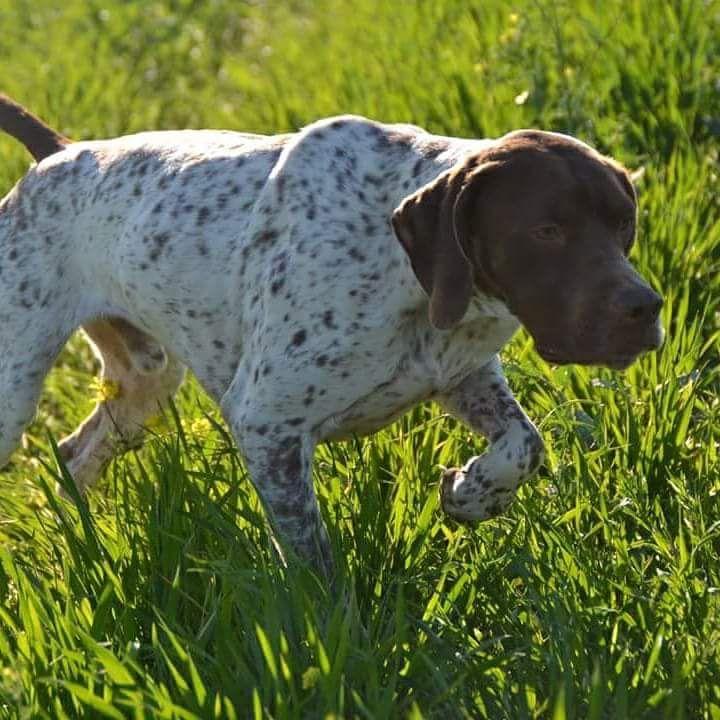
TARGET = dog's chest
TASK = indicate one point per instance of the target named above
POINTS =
(419, 363)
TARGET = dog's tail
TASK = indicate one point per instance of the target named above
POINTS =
(40, 139)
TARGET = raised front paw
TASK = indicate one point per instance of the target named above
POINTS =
(486, 486)
(467, 495)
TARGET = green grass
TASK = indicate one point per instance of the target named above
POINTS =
(597, 596)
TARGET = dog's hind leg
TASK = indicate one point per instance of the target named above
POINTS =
(137, 377)
(27, 352)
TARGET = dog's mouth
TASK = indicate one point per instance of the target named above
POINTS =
(612, 360)
(616, 353)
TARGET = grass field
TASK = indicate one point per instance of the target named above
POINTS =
(596, 596)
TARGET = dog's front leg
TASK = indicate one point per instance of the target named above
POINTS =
(278, 454)
(487, 484)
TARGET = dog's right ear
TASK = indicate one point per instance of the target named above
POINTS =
(432, 225)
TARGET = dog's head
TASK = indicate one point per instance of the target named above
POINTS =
(544, 223)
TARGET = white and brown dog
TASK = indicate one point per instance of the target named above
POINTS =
(318, 284)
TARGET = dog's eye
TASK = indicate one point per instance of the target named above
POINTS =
(549, 234)
(626, 231)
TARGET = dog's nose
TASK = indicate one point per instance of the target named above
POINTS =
(640, 304)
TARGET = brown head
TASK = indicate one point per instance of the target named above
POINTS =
(544, 223)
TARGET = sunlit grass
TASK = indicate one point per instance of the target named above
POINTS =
(596, 596)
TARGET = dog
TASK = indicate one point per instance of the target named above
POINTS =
(318, 284)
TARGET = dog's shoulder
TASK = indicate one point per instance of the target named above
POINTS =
(347, 149)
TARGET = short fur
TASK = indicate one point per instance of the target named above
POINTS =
(271, 267)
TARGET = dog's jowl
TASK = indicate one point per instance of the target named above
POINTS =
(318, 284)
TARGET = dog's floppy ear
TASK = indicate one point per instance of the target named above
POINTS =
(432, 225)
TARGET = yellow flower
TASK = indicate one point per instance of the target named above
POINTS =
(104, 389)
(200, 426)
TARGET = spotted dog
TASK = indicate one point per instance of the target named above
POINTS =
(318, 284)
